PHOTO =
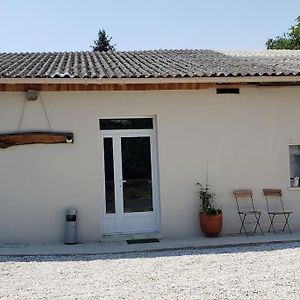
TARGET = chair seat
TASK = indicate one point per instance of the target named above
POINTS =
(280, 212)
(254, 212)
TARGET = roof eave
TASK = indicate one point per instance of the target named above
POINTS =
(237, 79)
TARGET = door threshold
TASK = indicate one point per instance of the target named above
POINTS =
(130, 236)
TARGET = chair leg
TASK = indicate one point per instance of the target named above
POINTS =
(261, 231)
(272, 223)
(243, 224)
(269, 229)
(257, 224)
(286, 224)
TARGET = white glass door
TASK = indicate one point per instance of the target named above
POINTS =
(129, 158)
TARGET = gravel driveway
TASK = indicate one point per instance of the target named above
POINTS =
(257, 272)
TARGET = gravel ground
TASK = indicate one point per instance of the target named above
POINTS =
(253, 272)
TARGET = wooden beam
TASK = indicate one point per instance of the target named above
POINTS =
(104, 87)
(35, 137)
(66, 87)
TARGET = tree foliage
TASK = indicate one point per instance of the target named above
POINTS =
(289, 40)
(103, 42)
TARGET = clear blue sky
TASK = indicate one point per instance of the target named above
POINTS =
(69, 25)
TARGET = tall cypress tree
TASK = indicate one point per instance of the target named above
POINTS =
(103, 43)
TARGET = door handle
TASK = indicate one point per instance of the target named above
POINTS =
(121, 183)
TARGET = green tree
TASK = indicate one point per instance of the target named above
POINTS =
(103, 43)
(289, 40)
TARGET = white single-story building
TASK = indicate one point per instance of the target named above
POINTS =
(146, 126)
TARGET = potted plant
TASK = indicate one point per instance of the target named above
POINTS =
(210, 217)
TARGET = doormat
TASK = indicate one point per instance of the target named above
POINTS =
(142, 241)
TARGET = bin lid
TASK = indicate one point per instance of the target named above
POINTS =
(71, 211)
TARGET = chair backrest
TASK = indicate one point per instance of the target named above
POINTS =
(244, 194)
(272, 195)
(272, 192)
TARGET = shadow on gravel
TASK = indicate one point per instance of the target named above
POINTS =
(155, 254)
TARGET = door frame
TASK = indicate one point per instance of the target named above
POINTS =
(152, 133)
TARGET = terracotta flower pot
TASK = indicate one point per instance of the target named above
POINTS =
(211, 225)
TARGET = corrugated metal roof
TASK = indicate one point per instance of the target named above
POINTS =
(150, 64)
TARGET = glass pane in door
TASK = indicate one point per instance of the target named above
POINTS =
(136, 171)
(109, 176)
(131, 123)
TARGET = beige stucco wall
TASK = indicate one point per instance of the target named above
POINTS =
(245, 137)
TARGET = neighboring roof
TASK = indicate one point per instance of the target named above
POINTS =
(150, 64)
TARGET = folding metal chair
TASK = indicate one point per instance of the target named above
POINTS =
(245, 215)
(272, 195)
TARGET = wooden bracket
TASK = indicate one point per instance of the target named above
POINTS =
(35, 137)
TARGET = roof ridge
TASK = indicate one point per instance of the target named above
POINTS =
(174, 50)
(118, 51)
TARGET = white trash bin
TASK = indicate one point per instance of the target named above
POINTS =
(71, 226)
